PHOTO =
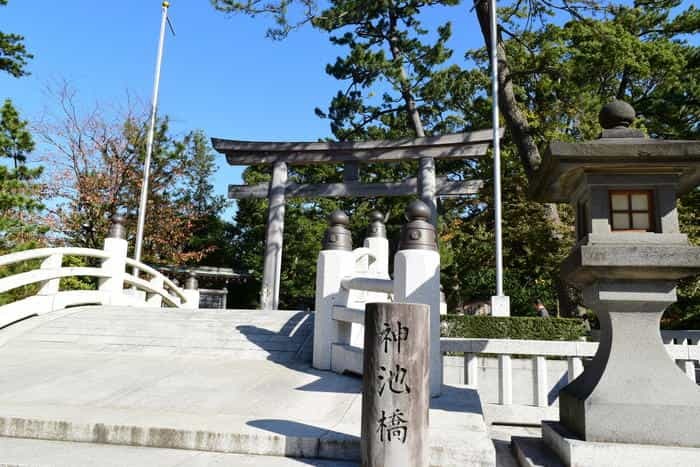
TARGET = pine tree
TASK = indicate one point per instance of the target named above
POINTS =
(19, 197)
(19, 193)
(559, 62)
(13, 53)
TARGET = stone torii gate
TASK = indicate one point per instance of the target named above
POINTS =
(280, 154)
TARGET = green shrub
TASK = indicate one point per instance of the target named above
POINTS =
(488, 327)
(18, 293)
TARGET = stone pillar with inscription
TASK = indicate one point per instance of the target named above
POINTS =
(417, 278)
(335, 261)
(395, 385)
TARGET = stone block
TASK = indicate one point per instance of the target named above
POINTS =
(572, 451)
(500, 305)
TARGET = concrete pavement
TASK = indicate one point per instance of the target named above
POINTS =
(218, 382)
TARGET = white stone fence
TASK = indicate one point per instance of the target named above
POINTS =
(687, 337)
(519, 380)
(121, 281)
(683, 336)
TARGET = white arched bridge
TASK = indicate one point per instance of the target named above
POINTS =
(134, 364)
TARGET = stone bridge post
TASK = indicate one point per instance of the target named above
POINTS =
(417, 278)
(116, 246)
(335, 261)
(395, 385)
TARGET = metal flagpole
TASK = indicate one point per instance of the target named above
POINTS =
(149, 142)
(500, 306)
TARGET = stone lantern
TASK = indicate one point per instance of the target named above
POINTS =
(628, 256)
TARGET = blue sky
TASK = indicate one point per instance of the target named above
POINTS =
(220, 74)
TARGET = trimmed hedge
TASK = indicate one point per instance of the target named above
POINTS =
(488, 327)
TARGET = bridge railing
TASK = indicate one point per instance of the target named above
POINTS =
(519, 380)
(119, 280)
(347, 279)
(678, 336)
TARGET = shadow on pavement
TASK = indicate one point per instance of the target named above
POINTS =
(340, 445)
(292, 347)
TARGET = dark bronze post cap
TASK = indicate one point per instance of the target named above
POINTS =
(116, 230)
(337, 236)
(418, 233)
(376, 227)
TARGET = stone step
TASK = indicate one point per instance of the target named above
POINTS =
(242, 334)
(40, 453)
(60, 388)
(532, 452)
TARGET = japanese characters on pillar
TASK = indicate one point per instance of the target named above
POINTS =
(396, 392)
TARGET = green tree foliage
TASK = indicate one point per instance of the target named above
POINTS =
(19, 192)
(200, 192)
(390, 67)
(394, 72)
(19, 196)
(13, 54)
(490, 327)
(97, 162)
(685, 314)
(210, 234)
(559, 64)
(287, 14)
(532, 246)
(561, 76)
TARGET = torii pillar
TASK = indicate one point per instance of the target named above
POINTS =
(272, 267)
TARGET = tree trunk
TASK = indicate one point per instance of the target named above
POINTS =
(517, 123)
(406, 93)
(519, 128)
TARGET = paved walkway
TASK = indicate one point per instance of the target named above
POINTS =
(23, 452)
(30, 452)
(219, 382)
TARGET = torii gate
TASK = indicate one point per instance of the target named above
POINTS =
(427, 184)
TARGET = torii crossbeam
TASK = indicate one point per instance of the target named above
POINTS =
(426, 184)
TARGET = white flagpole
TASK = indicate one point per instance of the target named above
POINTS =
(500, 306)
(149, 142)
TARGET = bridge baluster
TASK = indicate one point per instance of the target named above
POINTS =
(51, 286)
(505, 380)
(540, 389)
(688, 367)
(156, 300)
(471, 370)
(575, 368)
